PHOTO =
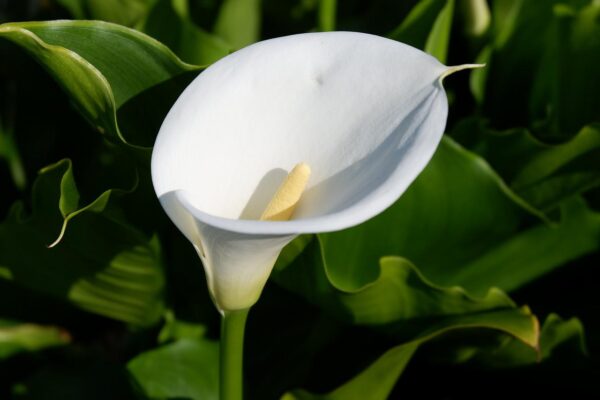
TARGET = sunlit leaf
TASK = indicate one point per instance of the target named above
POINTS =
(86, 58)
(399, 293)
(457, 220)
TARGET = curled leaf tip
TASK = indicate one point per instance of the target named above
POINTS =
(457, 68)
(60, 236)
(282, 205)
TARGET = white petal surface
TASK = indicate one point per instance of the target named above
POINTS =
(364, 112)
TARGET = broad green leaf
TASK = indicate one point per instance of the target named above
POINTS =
(378, 379)
(238, 22)
(186, 369)
(535, 251)
(101, 264)
(327, 15)
(543, 174)
(17, 337)
(169, 22)
(399, 294)
(87, 59)
(439, 37)
(458, 219)
(454, 212)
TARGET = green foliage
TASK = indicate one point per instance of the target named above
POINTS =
(378, 379)
(101, 264)
(169, 21)
(543, 174)
(16, 337)
(85, 58)
(540, 61)
(186, 369)
(556, 335)
(10, 153)
(127, 13)
(508, 204)
(428, 26)
(238, 22)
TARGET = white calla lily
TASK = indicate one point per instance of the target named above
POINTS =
(365, 113)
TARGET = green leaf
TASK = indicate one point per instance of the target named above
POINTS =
(169, 22)
(101, 265)
(175, 329)
(546, 52)
(86, 59)
(187, 369)
(326, 14)
(10, 153)
(374, 383)
(417, 25)
(543, 174)
(123, 12)
(475, 17)
(427, 27)
(574, 102)
(400, 299)
(536, 251)
(17, 337)
(458, 219)
(457, 206)
(401, 292)
(378, 379)
(238, 22)
(439, 37)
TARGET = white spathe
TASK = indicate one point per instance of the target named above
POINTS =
(365, 113)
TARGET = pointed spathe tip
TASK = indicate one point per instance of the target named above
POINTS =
(456, 68)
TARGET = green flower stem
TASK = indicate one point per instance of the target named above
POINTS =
(231, 352)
